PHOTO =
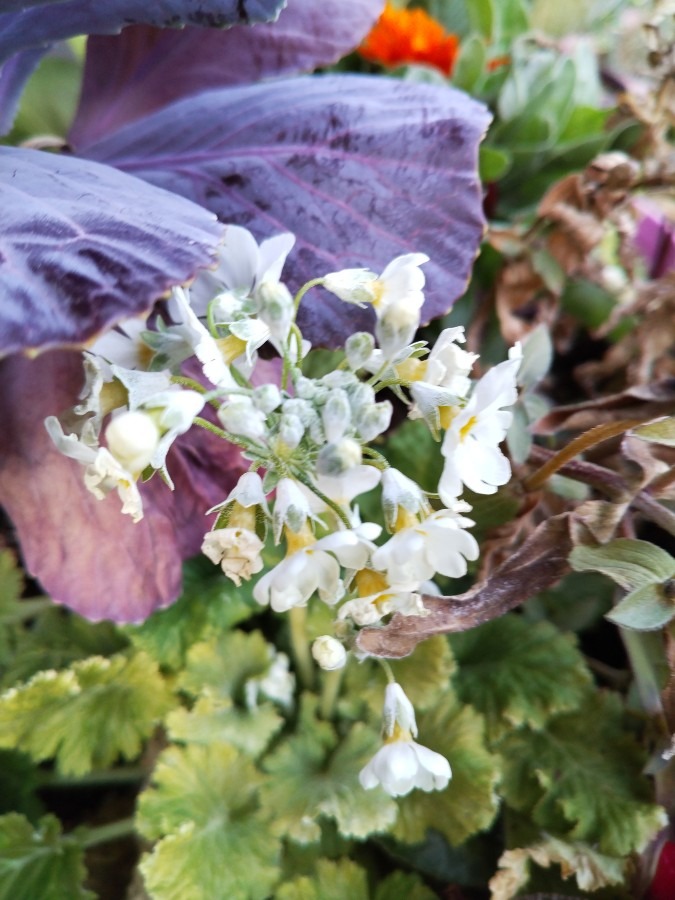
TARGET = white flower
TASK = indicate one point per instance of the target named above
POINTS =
(248, 491)
(103, 472)
(314, 567)
(123, 345)
(237, 550)
(291, 507)
(242, 267)
(437, 544)
(202, 343)
(402, 764)
(175, 411)
(329, 653)
(132, 438)
(369, 610)
(401, 493)
(277, 685)
(471, 443)
(443, 377)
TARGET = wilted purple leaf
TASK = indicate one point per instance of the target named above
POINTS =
(360, 169)
(134, 73)
(35, 24)
(13, 76)
(655, 239)
(85, 553)
(83, 246)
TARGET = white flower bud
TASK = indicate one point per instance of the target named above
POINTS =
(239, 416)
(276, 308)
(266, 398)
(352, 285)
(336, 415)
(329, 653)
(132, 438)
(399, 491)
(291, 507)
(396, 328)
(334, 459)
(359, 348)
(374, 420)
(291, 430)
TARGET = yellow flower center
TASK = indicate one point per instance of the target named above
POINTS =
(370, 582)
(231, 348)
(298, 540)
(405, 519)
(465, 430)
(398, 734)
(242, 517)
(446, 415)
(411, 370)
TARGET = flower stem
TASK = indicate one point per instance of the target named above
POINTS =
(303, 290)
(300, 645)
(387, 670)
(110, 832)
(584, 442)
(330, 691)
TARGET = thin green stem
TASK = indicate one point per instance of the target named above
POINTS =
(103, 834)
(330, 691)
(387, 670)
(303, 290)
(375, 459)
(189, 382)
(640, 649)
(376, 377)
(300, 645)
(227, 436)
(340, 513)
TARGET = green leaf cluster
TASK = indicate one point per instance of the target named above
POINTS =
(645, 570)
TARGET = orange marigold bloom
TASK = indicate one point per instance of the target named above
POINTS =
(410, 36)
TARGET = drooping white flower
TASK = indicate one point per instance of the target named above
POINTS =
(378, 599)
(240, 416)
(312, 568)
(402, 764)
(174, 412)
(291, 508)
(439, 543)
(442, 379)
(277, 685)
(248, 491)
(400, 493)
(471, 442)
(132, 438)
(329, 653)
(123, 345)
(237, 550)
(103, 473)
(198, 338)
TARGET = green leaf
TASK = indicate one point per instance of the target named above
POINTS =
(581, 780)
(587, 302)
(574, 604)
(630, 563)
(313, 773)
(468, 804)
(208, 602)
(215, 842)
(85, 716)
(404, 886)
(470, 68)
(333, 881)
(481, 15)
(11, 585)
(493, 163)
(37, 862)
(644, 609)
(221, 666)
(56, 639)
(425, 677)
(592, 870)
(660, 432)
(18, 785)
(213, 721)
(537, 357)
(49, 100)
(519, 673)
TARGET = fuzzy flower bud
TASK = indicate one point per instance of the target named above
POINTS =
(329, 653)
(400, 493)
(276, 308)
(374, 420)
(132, 438)
(336, 415)
(334, 459)
(359, 348)
(291, 430)
(352, 285)
(266, 398)
(240, 416)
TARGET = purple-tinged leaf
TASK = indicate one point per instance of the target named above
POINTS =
(134, 73)
(83, 246)
(21, 5)
(361, 169)
(42, 22)
(655, 239)
(13, 76)
(85, 553)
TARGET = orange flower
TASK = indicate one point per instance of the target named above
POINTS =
(410, 36)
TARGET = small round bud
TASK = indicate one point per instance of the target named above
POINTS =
(329, 653)
(240, 416)
(291, 430)
(334, 459)
(336, 414)
(132, 438)
(276, 308)
(359, 349)
(266, 397)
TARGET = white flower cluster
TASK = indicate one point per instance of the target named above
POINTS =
(308, 441)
